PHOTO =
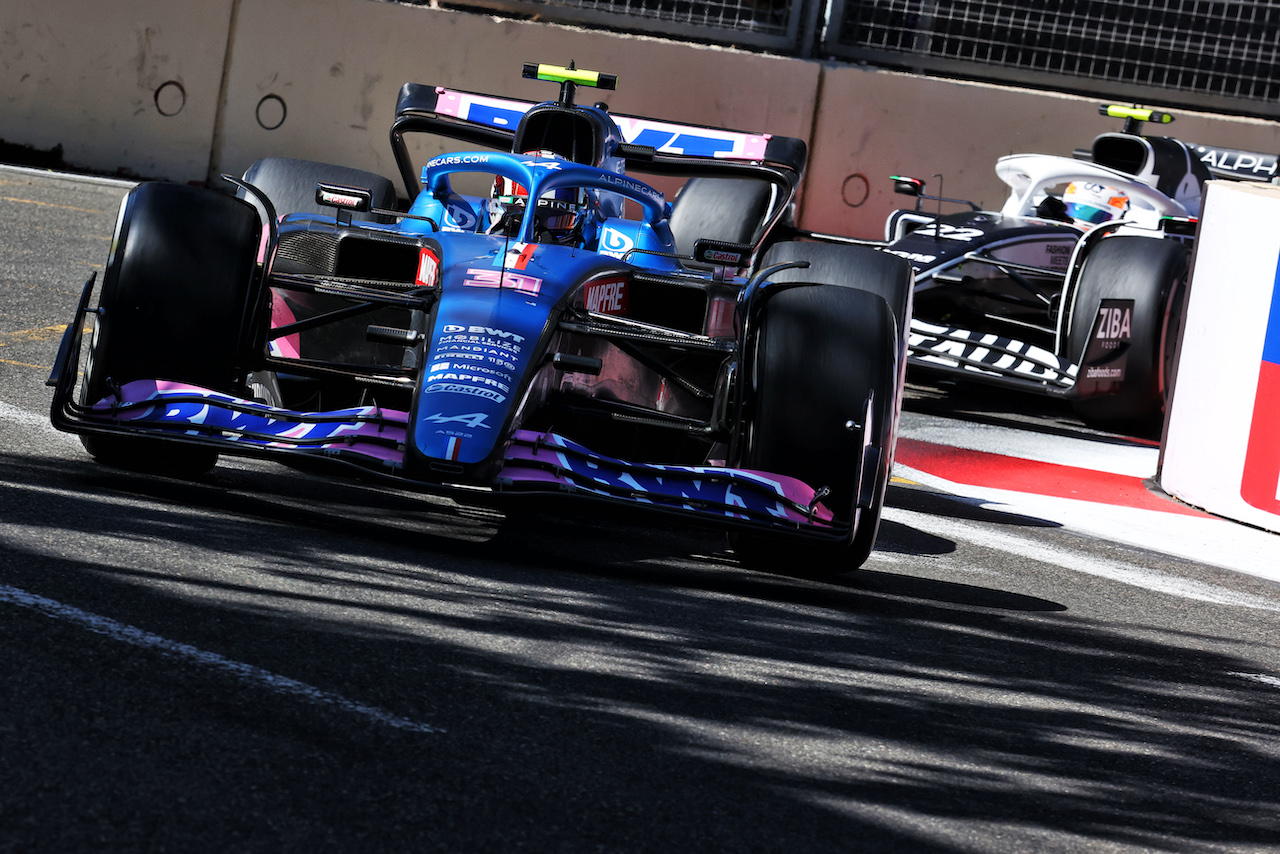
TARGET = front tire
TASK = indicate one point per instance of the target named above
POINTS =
(174, 301)
(1152, 273)
(825, 355)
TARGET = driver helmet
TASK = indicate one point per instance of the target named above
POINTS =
(1091, 204)
(558, 213)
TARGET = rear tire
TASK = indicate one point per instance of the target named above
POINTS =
(1152, 273)
(174, 299)
(859, 267)
(821, 351)
(727, 209)
(290, 184)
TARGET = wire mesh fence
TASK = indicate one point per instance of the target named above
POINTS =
(762, 16)
(764, 24)
(1202, 53)
(1207, 50)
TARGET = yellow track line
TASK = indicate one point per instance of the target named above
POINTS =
(49, 205)
(43, 333)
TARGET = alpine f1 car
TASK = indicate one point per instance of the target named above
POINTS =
(1075, 287)
(533, 322)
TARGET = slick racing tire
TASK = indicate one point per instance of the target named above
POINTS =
(821, 352)
(1152, 273)
(859, 267)
(290, 184)
(728, 209)
(174, 298)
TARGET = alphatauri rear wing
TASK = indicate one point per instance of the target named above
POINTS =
(1235, 164)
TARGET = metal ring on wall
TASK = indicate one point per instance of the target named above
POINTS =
(856, 177)
(271, 112)
(170, 98)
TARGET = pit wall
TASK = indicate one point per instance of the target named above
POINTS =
(186, 91)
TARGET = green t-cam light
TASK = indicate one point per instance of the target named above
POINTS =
(569, 78)
(1134, 116)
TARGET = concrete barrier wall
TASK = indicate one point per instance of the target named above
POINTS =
(129, 87)
(873, 124)
(182, 91)
(339, 81)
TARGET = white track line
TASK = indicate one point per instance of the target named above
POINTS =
(11, 413)
(247, 672)
(1076, 561)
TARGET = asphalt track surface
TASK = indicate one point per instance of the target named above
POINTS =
(1041, 654)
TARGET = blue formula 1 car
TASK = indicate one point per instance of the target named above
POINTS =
(535, 322)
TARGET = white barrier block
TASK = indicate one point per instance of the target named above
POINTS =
(1221, 449)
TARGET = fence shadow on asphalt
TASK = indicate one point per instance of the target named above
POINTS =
(603, 686)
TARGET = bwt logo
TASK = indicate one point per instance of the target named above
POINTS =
(615, 243)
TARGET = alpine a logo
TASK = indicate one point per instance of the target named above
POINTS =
(474, 420)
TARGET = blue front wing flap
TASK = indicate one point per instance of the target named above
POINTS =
(374, 439)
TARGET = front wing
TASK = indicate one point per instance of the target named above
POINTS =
(988, 357)
(373, 439)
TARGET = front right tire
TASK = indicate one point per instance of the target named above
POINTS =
(1153, 273)
(825, 376)
(174, 305)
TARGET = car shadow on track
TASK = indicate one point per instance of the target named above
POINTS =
(994, 406)
(600, 686)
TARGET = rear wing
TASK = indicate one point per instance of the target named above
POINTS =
(649, 145)
(1234, 164)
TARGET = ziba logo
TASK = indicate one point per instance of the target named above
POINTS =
(1114, 325)
(1102, 369)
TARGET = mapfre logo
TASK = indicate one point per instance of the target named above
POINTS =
(608, 296)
